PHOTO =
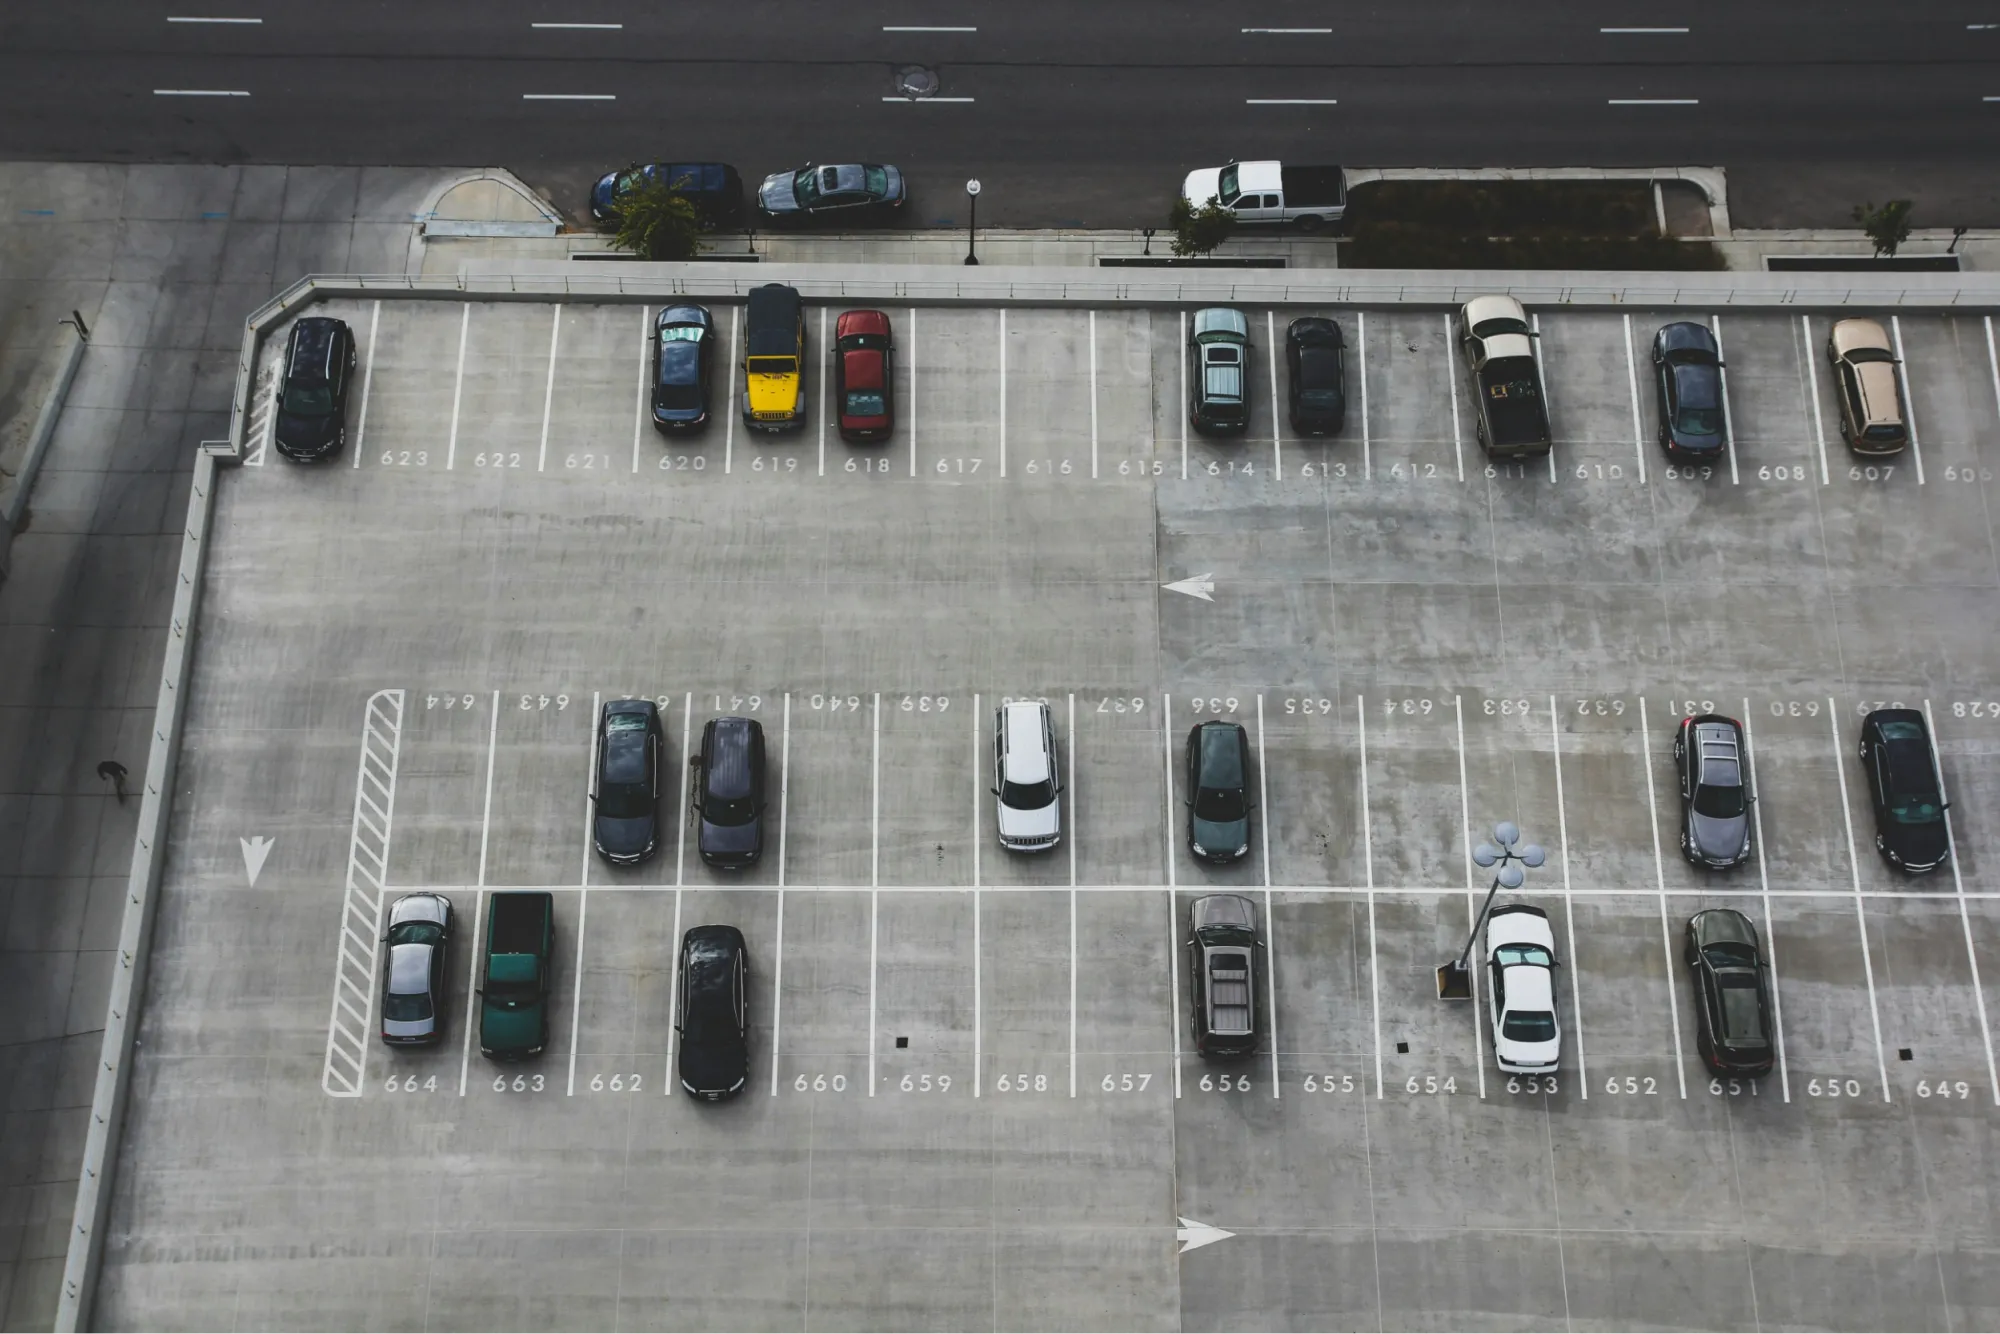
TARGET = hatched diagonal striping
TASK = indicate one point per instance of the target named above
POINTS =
(263, 417)
(353, 1015)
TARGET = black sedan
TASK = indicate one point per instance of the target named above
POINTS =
(1903, 787)
(856, 191)
(1316, 361)
(683, 368)
(625, 824)
(1687, 373)
(1218, 778)
(715, 1012)
(1732, 999)
(413, 979)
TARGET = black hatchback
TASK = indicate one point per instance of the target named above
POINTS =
(625, 822)
(312, 400)
(1687, 376)
(1218, 778)
(1316, 362)
(1732, 998)
(1904, 788)
(729, 792)
(714, 1002)
(683, 368)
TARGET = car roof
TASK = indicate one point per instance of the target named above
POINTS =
(1221, 319)
(1264, 175)
(1026, 758)
(729, 758)
(862, 367)
(410, 969)
(861, 322)
(1221, 743)
(1685, 335)
(1530, 987)
(774, 304)
(1483, 308)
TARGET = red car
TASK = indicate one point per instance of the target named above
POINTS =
(864, 362)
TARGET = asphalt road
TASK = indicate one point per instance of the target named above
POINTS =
(1079, 115)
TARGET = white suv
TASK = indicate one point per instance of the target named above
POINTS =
(1521, 963)
(1025, 767)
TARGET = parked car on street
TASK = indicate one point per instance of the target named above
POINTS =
(1732, 999)
(864, 376)
(683, 368)
(1218, 783)
(414, 985)
(1864, 380)
(1521, 968)
(1316, 375)
(714, 188)
(1224, 964)
(852, 192)
(728, 793)
(714, 1025)
(1715, 791)
(1027, 777)
(318, 371)
(1272, 192)
(1903, 787)
(1687, 381)
(625, 819)
(1218, 374)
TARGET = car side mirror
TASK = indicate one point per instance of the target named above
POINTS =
(994, 790)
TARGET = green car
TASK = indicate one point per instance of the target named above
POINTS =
(1218, 373)
(514, 983)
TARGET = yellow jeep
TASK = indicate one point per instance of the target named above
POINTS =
(774, 358)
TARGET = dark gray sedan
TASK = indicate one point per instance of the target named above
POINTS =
(683, 368)
(1732, 1000)
(413, 982)
(854, 191)
(1687, 372)
(1715, 791)
(1218, 778)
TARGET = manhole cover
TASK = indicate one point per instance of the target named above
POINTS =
(916, 81)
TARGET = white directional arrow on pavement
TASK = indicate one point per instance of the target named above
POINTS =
(255, 850)
(1193, 1235)
(1197, 586)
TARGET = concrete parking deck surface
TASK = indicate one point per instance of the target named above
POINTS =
(972, 1102)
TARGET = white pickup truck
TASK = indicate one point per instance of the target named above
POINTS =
(1271, 192)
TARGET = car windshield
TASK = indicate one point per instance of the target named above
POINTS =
(771, 365)
(1529, 1026)
(1028, 796)
(806, 185)
(308, 400)
(1699, 421)
(878, 182)
(624, 801)
(1861, 354)
(682, 333)
(1529, 954)
(1494, 328)
(1718, 802)
(406, 1007)
(1883, 433)
(1228, 935)
(415, 933)
(1729, 954)
(1916, 808)
(1742, 1016)
(1218, 805)
(724, 811)
(866, 403)
(1225, 186)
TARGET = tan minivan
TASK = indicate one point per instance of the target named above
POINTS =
(1864, 379)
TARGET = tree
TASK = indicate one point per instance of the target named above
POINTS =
(1197, 231)
(1887, 226)
(656, 221)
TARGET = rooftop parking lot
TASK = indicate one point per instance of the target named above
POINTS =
(972, 1100)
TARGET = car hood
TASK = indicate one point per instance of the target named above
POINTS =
(1200, 186)
(714, 1067)
(1042, 823)
(729, 838)
(1919, 844)
(776, 194)
(310, 432)
(1719, 839)
(1220, 835)
(625, 837)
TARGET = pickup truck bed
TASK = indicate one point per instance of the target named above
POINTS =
(1314, 187)
(519, 924)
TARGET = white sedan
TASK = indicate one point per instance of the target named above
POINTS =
(1521, 967)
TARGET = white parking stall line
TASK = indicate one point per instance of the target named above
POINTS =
(667, 1080)
(778, 966)
(1271, 361)
(486, 812)
(1270, 921)
(1909, 400)
(1361, 349)
(1660, 876)
(1072, 895)
(1992, 365)
(1569, 903)
(1451, 393)
(458, 385)
(639, 404)
(729, 423)
(1471, 889)
(351, 1017)
(1368, 860)
(874, 882)
(1173, 917)
(1180, 410)
(1812, 395)
(1958, 886)
(1860, 915)
(471, 992)
(368, 375)
(583, 882)
(823, 377)
(1728, 417)
(1764, 885)
(1003, 391)
(1632, 385)
(549, 396)
(978, 996)
(1542, 379)
(910, 409)
(479, 895)
(1093, 402)
(680, 806)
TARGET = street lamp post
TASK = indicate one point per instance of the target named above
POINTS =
(1454, 979)
(971, 219)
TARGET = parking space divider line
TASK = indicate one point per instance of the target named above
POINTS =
(471, 990)
(639, 413)
(681, 811)
(486, 811)
(1173, 917)
(1660, 876)
(729, 421)
(1812, 396)
(1632, 384)
(458, 385)
(874, 881)
(1764, 883)
(1909, 399)
(1003, 391)
(1569, 904)
(667, 1080)
(1093, 396)
(1368, 861)
(778, 968)
(1542, 379)
(910, 412)
(1860, 914)
(1360, 347)
(826, 350)
(549, 396)
(1072, 836)
(1457, 431)
(1465, 845)
(583, 880)
(1181, 410)
(368, 375)
(1992, 364)
(1958, 884)
(978, 1017)
(1270, 919)
(1271, 361)
(1728, 417)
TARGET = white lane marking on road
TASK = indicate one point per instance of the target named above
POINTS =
(1368, 861)
(920, 27)
(1660, 876)
(1457, 432)
(778, 972)
(1271, 361)
(1465, 845)
(181, 18)
(1367, 439)
(823, 377)
(681, 807)
(1297, 31)
(1093, 395)
(201, 92)
(927, 99)
(978, 1018)
(1173, 924)
(910, 411)
(1860, 914)
(1003, 391)
(1542, 379)
(1812, 396)
(1728, 417)
(1291, 102)
(1200, 586)
(1653, 101)
(549, 397)
(583, 881)
(667, 1080)
(1072, 887)
(458, 384)
(640, 403)
(590, 27)
(1993, 362)
(368, 375)
(1642, 30)
(1270, 920)
(1764, 883)
(1569, 904)
(874, 881)
(1909, 401)
(1632, 386)
(351, 1016)
(1180, 354)
(256, 849)
(1964, 919)
(569, 97)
